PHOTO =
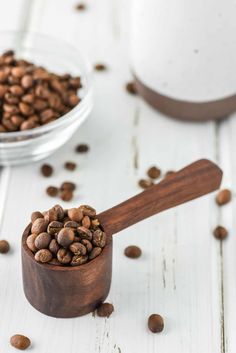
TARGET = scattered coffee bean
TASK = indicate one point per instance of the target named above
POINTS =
(105, 310)
(20, 342)
(66, 237)
(70, 166)
(223, 197)
(145, 183)
(100, 67)
(133, 252)
(80, 7)
(154, 172)
(170, 172)
(155, 323)
(68, 185)
(131, 88)
(220, 232)
(66, 195)
(52, 191)
(82, 148)
(4, 247)
(47, 170)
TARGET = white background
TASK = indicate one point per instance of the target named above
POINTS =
(184, 274)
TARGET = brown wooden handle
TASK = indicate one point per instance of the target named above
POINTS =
(195, 180)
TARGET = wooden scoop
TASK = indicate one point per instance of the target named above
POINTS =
(74, 291)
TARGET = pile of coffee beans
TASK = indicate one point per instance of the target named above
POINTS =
(31, 96)
(66, 237)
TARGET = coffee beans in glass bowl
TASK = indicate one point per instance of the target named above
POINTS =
(70, 237)
(45, 95)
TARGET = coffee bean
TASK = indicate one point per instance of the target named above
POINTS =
(87, 244)
(66, 195)
(223, 197)
(85, 233)
(99, 238)
(30, 242)
(75, 214)
(64, 256)
(88, 210)
(52, 191)
(94, 253)
(155, 323)
(42, 241)
(154, 172)
(100, 67)
(220, 232)
(133, 252)
(80, 7)
(82, 148)
(70, 166)
(20, 342)
(39, 226)
(78, 249)
(131, 88)
(47, 170)
(79, 260)
(51, 215)
(35, 215)
(54, 227)
(86, 222)
(65, 237)
(145, 183)
(4, 247)
(54, 246)
(43, 255)
(68, 185)
(71, 224)
(27, 81)
(105, 310)
(60, 212)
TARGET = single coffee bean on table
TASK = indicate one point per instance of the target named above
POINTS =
(145, 183)
(133, 252)
(70, 166)
(70, 237)
(46, 170)
(20, 342)
(31, 96)
(52, 191)
(155, 323)
(82, 148)
(105, 310)
(81, 6)
(131, 88)
(220, 232)
(223, 197)
(4, 246)
(100, 67)
(66, 195)
(154, 172)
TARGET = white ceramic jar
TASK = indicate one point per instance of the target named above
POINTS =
(183, 56)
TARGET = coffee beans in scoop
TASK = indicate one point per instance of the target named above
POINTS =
(32, 96)
(66, 237)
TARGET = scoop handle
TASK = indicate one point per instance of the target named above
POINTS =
(191, 182)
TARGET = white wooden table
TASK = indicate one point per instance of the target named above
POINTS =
(184, 274)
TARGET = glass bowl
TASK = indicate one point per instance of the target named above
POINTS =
(59, 57)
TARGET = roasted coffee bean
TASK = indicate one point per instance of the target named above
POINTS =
(105, 310)
(39, 226)
(30, 242)
(27, 81)
(220, 232)
(54, 227)
(155, 323)
(100, 67)
(133, 252)
(99, 238)
(86, 222)
(145, 183)
(87, 244)
(54, 246)
(154, 172)
(75, 214)
(88, 210)
(80, 7)
(20, 342)
(4, 247)
(43, 255)
(71, 224)
(16, 90)
(223, 197)
(82, 148)
(65, 237)
(17, 120)
(94, 253)
(131, 88)
(42, 241)
(47, 170)
(68, 185)
(64, 256)
(28, 125)
(66, 195)
(35, 215)
(85, 233)
(51, 215)
(79, 260)
(52, 191)
(26, 109)
(95, 223)
(70, 166)
(60, 212)
(78, 249)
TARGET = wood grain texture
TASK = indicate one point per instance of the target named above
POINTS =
(193, 181)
